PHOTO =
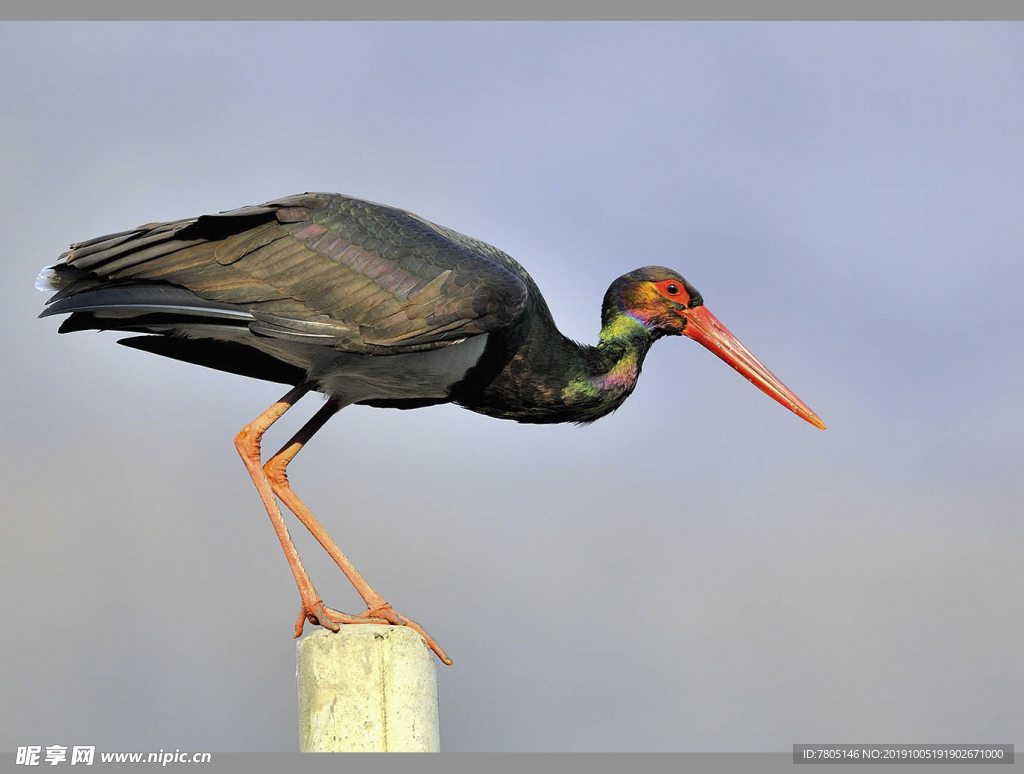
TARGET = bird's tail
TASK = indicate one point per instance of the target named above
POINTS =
(187, 327)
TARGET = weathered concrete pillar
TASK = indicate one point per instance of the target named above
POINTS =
(368, 688)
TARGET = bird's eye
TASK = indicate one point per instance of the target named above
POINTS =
(673, 291)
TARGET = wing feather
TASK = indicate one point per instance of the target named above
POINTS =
(345, 273)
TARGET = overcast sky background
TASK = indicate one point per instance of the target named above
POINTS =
(700, 571)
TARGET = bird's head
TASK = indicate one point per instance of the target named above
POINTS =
(667, 305)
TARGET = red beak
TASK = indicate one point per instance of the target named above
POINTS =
(704, 327)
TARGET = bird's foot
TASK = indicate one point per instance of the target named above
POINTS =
(319, 614)
(386, 613)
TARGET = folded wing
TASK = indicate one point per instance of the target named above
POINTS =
(319, 269)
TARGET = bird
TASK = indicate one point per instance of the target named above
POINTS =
(372, 305)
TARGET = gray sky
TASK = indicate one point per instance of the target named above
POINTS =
(700, 571)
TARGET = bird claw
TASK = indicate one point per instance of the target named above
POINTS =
(319, 614)
(386, 613)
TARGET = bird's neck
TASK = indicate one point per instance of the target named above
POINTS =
(539, 375)
(606, 374)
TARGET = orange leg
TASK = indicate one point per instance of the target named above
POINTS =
(248, 444)
(378, 610)
(273, 479)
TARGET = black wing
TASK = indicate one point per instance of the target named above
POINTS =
(320, 269)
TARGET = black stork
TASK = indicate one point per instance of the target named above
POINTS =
(372, 305)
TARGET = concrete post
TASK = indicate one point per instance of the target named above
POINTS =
(368, 688)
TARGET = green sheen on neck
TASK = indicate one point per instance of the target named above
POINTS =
(615, 363)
